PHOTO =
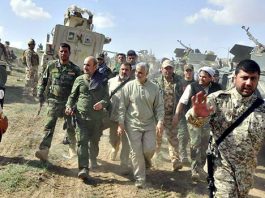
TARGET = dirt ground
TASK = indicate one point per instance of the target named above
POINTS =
(58, 177)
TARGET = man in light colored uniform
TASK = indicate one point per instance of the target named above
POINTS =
(141, 106)
(114, 138)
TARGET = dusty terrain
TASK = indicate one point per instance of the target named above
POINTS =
(22, 175)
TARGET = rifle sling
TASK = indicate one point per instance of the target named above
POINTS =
(239, 120)
(118, 87)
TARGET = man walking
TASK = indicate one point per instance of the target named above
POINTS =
(171, 87)
(141, 106)
(90, 95)
(198, 136)
(115, 86)
(236, 153)
(59, 76)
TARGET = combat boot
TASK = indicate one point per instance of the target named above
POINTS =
(83, 174)
(42, 154)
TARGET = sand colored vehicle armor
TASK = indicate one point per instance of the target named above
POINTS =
(77, 31)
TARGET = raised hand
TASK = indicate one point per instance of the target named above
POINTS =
(199, 105)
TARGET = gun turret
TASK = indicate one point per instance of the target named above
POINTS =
(259, 46)
(185, 46)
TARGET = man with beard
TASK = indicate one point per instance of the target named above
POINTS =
(141, 106)
(235, 154)
(115, 86)
(198, 136)
(171, 88)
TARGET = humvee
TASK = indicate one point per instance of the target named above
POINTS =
(77, 31)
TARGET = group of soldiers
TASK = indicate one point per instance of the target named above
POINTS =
(140, 110)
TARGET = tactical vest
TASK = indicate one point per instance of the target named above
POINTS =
(196, 88)
(62, 79)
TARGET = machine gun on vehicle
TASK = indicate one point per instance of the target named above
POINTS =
(259, 46)
(187, 49)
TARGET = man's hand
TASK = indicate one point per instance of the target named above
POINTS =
(159, 128)
(98, 106)
(69, 111)
(120, 130)
(199, 105)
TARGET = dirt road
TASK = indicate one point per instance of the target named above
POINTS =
(22, 175)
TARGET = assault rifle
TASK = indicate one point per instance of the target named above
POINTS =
(210, 164)
(210, 150)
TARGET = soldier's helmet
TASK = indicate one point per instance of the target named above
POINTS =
(7, 43)
(31, 42)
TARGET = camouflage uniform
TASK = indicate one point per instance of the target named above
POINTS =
(236, 160)
(172, 92)
(59, 79)
(32, 63)
(89, 122)
(183, 133)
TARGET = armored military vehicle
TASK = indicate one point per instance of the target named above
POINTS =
(195, 57)
(256, 53)
(77, 31)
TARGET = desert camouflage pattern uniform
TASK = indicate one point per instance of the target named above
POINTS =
(237, 154)
(32, 64)
(172, 92)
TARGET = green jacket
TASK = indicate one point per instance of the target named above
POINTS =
(178, 87)
(84, 95)
(58, 79)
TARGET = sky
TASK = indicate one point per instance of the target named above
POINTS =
(212, 25)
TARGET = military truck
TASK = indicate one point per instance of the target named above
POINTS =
(77, 31)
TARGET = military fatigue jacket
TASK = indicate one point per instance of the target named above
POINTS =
(84, 95)
(59, 79)
(238, 151)
(32, 59)
(177, 83)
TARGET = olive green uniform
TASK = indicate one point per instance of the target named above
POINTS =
(89, 121)
(59, 79)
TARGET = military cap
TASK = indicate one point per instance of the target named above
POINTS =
(167, 63)
(188, 66)
(131, 53)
